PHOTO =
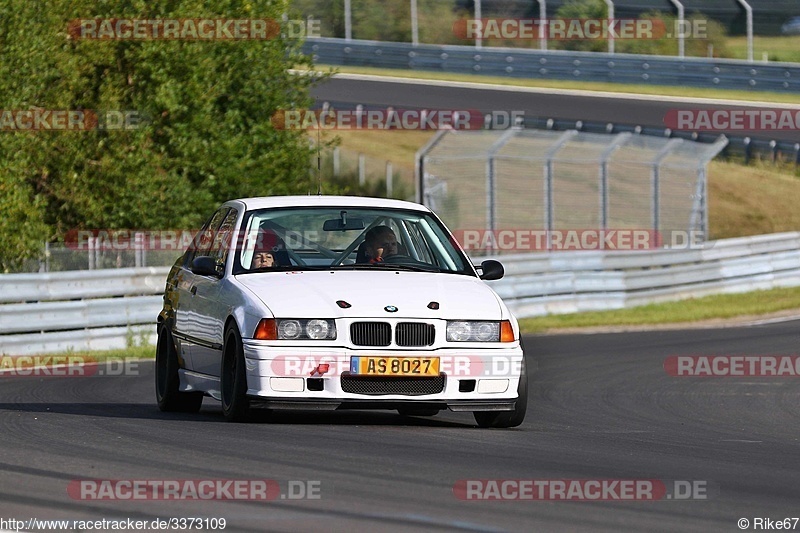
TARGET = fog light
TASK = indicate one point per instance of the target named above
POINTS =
(492, 386)
(287, 384)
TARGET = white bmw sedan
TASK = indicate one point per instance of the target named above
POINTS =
(330, 302)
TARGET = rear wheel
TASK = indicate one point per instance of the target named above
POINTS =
(168, 395)
(508, 419)
(233, 378)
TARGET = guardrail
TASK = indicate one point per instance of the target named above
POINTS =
(560, 64)
(576, 281)
(103, 309)
(80, 310)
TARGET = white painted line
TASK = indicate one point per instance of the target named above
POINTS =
(564, 92)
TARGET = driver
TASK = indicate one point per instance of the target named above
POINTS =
(379, 243)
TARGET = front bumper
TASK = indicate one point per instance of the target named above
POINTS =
(290, 378)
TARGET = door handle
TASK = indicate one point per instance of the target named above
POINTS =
(193, 290)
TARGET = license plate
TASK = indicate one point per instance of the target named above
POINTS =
(394, 366)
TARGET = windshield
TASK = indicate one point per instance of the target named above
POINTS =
(324, 238)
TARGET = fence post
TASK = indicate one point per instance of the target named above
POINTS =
(611, 42)
(362, 169)
(542, 24)
(336, 161)
(414, 23)
(419, 167)
(655, 182)
(681, 28)
(618, 141)
(90, 245)
(479, 16)
(389, 178)
(348, 21)
(548, 183)
(491, 186)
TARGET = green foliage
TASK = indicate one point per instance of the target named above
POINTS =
(712, 33)
(207, 104)
(582, 9)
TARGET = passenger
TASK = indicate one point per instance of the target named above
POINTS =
(380, 243)
(265, 253)
(263, 260)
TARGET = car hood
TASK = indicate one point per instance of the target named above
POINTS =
(310, 294)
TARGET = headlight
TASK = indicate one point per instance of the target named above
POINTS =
(314, 329)
(289, 329)
(476, 331)
(317, 329)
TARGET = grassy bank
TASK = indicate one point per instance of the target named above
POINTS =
(779, 48)
(725, 306)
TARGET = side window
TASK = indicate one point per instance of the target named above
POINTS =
(222, 240)
(204, 240)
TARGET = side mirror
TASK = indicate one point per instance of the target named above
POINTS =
(491, 270)
(205, 266)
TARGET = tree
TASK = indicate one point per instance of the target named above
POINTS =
(207, 136)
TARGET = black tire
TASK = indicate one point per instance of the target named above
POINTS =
(508, 419)
(233, 378)
(411, 411)
(168, 396)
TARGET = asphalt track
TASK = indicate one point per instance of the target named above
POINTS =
(647, 112)
(601, 407)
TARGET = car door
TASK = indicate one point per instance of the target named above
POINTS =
(210, 311)
(187, 320)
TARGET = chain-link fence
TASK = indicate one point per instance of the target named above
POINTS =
(546, 183)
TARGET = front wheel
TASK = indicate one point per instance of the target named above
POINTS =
(235, 404)
(508, 419)
(168, 394)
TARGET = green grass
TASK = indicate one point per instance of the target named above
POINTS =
(782, 48)
(659, 90)
(135, 352)
(723, 306)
